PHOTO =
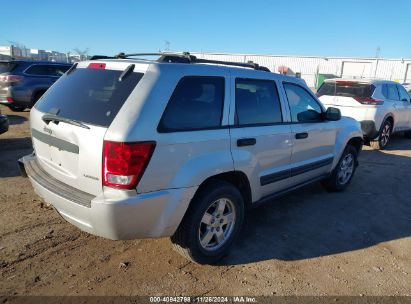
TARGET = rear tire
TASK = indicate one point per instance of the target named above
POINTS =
(16, 108)
(211, 224)
(407, 134)
(383, 136)
(343, 173)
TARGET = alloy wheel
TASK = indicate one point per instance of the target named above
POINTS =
(385, 135)
(217, 224)
(346, 169)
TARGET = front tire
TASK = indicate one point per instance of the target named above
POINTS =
(384, 136)
(344, 171)
(407, 134)
(211, 224)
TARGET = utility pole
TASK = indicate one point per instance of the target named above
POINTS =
(167, 46)
(377, 56)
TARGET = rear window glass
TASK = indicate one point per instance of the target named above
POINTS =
(197, 103)
(347, 89)
(91, 96)
(6, 67)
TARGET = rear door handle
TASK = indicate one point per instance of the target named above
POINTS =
(301, 135)
(246, 142)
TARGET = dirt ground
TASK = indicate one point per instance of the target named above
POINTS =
(309, 243)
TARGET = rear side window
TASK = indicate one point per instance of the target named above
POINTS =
(91, 96)
(257, 102)
(346, 89)
(6, 67)
(37, 69)
(196, 103)
(47, 70)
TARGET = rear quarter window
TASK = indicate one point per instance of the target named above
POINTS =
(196, 103)
(6, 67)
(91, 96)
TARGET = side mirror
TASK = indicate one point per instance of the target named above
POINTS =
(332, 114)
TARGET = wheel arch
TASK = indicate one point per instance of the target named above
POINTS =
(390, 118)
(237, 178)
(356, 142)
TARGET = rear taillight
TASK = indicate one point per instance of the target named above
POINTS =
(11, 78)
(124, 163)
(369, 101)
(9, 99)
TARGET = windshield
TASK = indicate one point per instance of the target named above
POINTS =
(347, 89)
(91, 96)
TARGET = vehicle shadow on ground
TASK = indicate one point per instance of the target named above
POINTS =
(11, 149)
(16, 120)
(313, 222)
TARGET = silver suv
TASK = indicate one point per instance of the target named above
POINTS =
(182, 147)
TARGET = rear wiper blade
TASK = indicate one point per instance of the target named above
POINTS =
(51, 117)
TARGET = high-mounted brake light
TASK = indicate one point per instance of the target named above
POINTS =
(346, 82)
(11, 78)
(369, 101)
(95, 65)
(125, 163)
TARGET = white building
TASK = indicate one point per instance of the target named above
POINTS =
(311, 67)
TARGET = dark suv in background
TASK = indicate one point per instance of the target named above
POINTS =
(23, 82)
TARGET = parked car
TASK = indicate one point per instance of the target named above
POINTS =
(4, 123)
(382, 107)
(181, 147)
(23, 82)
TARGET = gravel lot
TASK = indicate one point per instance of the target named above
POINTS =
(308, 243)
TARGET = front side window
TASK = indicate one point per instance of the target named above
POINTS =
(403, 93)
(257, 102)
(58, 70)
(303, 106)
(197, 103)
(392, 92)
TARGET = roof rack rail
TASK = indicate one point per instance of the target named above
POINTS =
(184, 57)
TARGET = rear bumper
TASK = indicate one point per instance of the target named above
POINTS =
(115, 214)
(19, 98)
(4, 124)
(368, 129)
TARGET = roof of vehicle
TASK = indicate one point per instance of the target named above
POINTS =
(199, 66)
(34, 61)
(187, 61)
(359, 80)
